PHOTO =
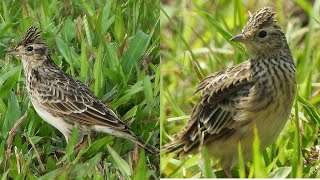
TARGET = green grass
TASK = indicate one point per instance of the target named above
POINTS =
(195, 42)
(112, 47)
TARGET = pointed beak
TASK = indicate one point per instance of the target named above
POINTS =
(239, 38)
(12, 52)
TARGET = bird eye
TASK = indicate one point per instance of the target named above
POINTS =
(262, 34)
(29, 48)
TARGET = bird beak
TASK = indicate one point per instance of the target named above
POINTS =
(239, 38)
(12, 52)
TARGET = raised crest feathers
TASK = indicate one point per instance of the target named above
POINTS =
(32, 36)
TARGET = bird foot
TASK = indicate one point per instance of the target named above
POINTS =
(228, 172)
(80, 144)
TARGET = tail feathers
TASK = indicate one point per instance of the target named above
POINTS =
(174, 146)
(127, 134)
(142, 144)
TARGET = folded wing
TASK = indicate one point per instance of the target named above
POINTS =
(213, 115)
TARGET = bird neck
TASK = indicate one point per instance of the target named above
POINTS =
(283, 53)
(30, 66)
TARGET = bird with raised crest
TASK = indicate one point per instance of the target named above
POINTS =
(61, 100)
(256, 94)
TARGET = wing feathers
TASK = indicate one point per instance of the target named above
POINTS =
(65, 95)
(213, 114)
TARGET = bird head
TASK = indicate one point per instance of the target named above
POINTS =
(32, 48)
(262, 34)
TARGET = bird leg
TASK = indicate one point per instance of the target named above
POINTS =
(80, 143)
(247, 170)
(227, 171)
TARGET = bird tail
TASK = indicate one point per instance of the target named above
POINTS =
(127, 134)
(174, 146)
(142, 144)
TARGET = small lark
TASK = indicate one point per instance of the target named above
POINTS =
(61, 100)
(256, 93)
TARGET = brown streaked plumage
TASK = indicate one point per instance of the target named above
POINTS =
(61, 100)
(256, 93)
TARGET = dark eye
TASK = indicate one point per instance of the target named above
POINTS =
(29, 48)
(262, 34)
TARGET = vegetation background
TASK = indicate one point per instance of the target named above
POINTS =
(195, 43)
(111, 46)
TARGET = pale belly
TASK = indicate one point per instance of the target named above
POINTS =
(56, 122)
(269, 122)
